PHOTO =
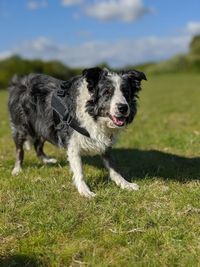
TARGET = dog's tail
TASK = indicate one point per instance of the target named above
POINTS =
(16, 82)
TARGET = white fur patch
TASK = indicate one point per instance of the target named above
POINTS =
(49, 160)
(27, 145)
(17, 169)
(118, 97)
(119, 180)
(101, 135)
(76, 167)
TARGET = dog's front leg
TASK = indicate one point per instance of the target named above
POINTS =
(75, 162)
(114, 175)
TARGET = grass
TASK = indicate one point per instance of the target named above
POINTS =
(44, 222)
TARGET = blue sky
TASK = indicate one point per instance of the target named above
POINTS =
(88, 32)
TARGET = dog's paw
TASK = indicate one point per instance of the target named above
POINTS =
(16, 170)
(84, 191)
(49, 160)
(130, 186)
(124, 184)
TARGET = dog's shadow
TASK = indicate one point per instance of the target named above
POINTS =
(21, 261)
(135, 164)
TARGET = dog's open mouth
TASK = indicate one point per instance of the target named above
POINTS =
(118, 121)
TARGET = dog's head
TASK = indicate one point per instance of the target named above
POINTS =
(113, 95)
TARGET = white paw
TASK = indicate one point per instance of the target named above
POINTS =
(16, 170)
(49, 160)
(84, 191)
(130, 186)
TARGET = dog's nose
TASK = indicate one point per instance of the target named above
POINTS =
(123, 108)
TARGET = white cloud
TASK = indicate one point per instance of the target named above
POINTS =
(71, 2)
(5, 54)
(192, 28)
(33, 4)
(124, 10)
(116, 54)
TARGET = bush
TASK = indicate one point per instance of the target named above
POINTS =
(19, 66)
(195, 45)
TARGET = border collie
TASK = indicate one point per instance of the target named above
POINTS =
(101, 103)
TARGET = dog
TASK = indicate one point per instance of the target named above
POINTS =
(84, 115)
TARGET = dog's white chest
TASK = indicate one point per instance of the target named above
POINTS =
(93, 146)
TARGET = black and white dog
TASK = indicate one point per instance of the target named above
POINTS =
(83, 115)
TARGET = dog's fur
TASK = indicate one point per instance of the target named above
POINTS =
(102, 101)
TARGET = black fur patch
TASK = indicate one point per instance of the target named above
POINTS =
(30, 106)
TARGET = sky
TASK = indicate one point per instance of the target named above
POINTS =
(84, 33)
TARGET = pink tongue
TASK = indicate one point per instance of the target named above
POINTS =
(118, 121)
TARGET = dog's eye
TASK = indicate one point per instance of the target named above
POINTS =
(108, 93)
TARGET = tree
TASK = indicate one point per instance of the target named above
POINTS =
(195, 45)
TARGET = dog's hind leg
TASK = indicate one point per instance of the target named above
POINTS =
(19, 141)
(114, 175)
(38, 145)
(27, 145)
(75, 162)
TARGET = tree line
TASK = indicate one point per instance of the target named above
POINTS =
(17, 65)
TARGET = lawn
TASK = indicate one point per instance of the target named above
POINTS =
(44, 222)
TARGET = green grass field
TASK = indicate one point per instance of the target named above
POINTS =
(44, 221)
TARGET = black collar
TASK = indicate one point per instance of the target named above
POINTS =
(63, 114)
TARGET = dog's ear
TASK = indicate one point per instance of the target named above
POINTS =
(92, 77)
(135, 77)
(138, 75)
